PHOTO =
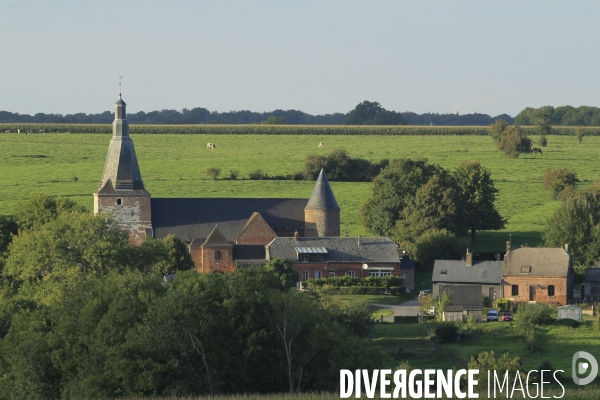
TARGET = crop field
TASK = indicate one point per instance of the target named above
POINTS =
(175, 166)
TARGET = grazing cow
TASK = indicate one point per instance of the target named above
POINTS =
(5, 132)
(321, 144)
(536, 150)
(211, 146)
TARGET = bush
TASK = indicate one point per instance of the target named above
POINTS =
(537, 314)
(233, 174)
(497, 128)
(502, 305)
(557, 180)
(213, 173)
(579, 133)
(258, 175)
(514, 141)
(446, 332)
(543, 141)
(348, 281)
(341, 167)
(359, 290)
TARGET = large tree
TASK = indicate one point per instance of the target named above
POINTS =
(477, 195)
(371, 113)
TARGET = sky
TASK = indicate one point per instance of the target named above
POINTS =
(317, 56)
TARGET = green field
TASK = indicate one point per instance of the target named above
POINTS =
(175, 166)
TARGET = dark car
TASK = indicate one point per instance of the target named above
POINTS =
(506, 316)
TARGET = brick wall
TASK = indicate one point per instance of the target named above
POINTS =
(210, 264)
(540, 286)
(257, 231)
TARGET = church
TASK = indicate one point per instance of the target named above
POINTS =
(223, 233)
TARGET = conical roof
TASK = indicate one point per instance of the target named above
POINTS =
(322, 197)
(216, 239)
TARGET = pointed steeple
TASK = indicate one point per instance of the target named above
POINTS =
(121, 169)
(322, 197)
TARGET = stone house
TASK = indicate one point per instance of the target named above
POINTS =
(220, 232)
(538, 274)
(485, 275)
(326, 257)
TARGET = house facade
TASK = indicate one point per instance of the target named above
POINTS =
(543, 275)
(467, 301)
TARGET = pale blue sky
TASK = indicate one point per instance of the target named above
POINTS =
(315, 56)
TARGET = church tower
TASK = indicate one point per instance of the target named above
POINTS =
(121, 192)
(322, 213)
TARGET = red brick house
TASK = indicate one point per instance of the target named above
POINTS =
(538, 274)
(325, 257)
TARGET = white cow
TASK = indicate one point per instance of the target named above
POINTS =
(321, 144)
(211, 146)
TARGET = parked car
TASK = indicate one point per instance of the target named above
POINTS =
(492, 315)
(424, 293)
(506, 316)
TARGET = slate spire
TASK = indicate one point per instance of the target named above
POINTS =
(121, 169)
(322, 197)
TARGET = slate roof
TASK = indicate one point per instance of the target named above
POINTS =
(216, 239)
(544, 261)
(195, 218)
(371, 249)
(486, 272)
(322, 197)
(249, 252)
(468, 297)
(592, 275)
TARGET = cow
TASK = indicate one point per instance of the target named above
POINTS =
(321, 144)
(6, 132)
(211, 146)
(536, 150)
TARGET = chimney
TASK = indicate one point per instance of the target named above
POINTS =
(359, 240)
(469, 258)
(567, 247)
(295, 236)
(507, 246)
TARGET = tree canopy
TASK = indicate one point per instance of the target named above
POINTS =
(371, 113)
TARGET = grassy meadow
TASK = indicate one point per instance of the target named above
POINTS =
(175, 166)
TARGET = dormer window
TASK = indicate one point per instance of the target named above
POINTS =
(444, 272)
(311, 254)
(119, 201)
(525, 270)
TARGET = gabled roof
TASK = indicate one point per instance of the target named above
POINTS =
(371, 249)
(216, 239)
(195, 218)
(592, 275)
(544, 261)
(468, 297)
(486, 272)
(322, 197)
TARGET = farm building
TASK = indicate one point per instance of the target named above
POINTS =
(466, 301)
(485, 275)
(591, 288)
(220, 232)
(319, 257)
(540, 274)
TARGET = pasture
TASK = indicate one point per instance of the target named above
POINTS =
(175, 166)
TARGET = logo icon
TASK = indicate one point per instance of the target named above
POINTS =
(581, 367)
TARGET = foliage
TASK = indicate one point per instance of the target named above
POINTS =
(371, 113)
(579, 133)
(477, 194)
(576, 222)
(496, 130)
(258, 175)
(339, 166)
(502, 304)
(514, 142)
(542, 121)
(179, 254)
(213, 172)
(233, 174)
(543, 141)
(8, 228)
(274, 120)
(557, 180)
(563, 115)
(348, 281)
(446, 332)
(486, 362)
(283, 270)
(537, 314)
(437, 245)
(41, 208)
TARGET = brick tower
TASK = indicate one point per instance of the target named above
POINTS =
(322, 213)
(121, 192)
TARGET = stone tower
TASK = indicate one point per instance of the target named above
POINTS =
(322, 213)
(121, 192)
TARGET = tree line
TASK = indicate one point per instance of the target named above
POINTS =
(560, 116)
(84, 314)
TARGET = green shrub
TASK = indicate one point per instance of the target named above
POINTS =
(536, 314)
(446, 332)
(213, 173)
(348, 281)
(557, 180)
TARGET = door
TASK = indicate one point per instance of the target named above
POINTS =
(492, 293)
(531, 293)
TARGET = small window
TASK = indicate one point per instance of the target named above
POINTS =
(515, 290)
(305, 258)
(218, 254)
(351, 274)
(304, 276)
(444, 272)
(525, 270)
(317, 274)
(551, 290)
(119, 201)
(332, 274)
(404, 276)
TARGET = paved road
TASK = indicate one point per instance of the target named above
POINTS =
(409, 308)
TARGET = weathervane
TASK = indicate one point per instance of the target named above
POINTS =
(120, 77)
